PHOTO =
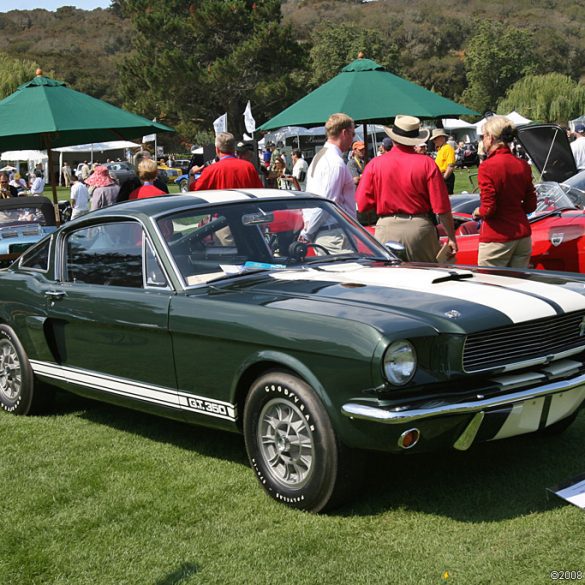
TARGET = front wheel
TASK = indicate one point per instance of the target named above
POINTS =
(19, 394)
(292, 446)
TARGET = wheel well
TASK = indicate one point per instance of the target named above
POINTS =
(248, 377)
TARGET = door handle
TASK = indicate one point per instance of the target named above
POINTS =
(55, 295)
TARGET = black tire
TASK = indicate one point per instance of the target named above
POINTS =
(559, 427)
(19, 393)
(292, 446)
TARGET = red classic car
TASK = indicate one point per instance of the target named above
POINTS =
(558, 230)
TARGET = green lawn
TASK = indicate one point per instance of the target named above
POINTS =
(100, 495)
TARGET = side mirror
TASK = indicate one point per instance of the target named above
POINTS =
(396, 248)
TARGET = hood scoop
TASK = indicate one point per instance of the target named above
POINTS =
(452, 276)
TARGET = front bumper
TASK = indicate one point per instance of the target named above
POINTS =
(520, 411)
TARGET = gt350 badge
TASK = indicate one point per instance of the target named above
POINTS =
(209, 407)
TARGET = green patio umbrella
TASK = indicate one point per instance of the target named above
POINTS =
(44, 113)
(367, 92)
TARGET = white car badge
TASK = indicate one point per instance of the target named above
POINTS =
(454, 314)
(557, 239)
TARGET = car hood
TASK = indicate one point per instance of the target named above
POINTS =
(550, 150)
(450, 299)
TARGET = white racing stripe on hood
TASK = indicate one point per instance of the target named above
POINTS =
(509, 297)
(568, 300)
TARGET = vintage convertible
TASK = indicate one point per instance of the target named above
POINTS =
(558, 230)
(23, 222)
(207, 308)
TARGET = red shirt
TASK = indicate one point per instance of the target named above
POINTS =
(145, 191)
(229, 173)
(506, 196)
(402, 181)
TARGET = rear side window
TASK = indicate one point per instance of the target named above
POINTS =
(109, 254)
(38, 257)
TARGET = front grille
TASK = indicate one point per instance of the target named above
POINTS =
(525, 341)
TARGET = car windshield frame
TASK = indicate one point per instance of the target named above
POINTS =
(551, 197)
(254, 243)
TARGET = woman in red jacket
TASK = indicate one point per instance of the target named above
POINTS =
(506, 196)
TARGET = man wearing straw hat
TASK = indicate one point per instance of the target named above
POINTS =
(407, 190)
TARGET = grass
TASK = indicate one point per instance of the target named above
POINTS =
(99, 494)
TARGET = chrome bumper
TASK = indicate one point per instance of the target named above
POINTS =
(392, 417)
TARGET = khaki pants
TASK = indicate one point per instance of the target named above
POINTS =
(333, 240)
(515, 253)
(418, 235)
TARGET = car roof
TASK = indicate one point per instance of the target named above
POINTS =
(154, 206)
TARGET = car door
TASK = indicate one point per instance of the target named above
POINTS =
(108, 315)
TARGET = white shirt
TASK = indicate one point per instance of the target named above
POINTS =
(80, 195)
(331, 179)
(578, 148)
(300, 167)
(38, 186)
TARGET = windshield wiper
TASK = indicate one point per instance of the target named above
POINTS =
(331, 259)
(245, 272)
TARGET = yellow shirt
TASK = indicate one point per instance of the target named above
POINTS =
(445, 157)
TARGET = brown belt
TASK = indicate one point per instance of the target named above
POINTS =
(407, 215)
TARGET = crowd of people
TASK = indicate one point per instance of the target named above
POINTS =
(407, 190)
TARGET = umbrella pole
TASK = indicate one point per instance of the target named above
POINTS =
(365, 125)
(51, 179)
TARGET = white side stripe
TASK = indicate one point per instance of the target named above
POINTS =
(168, 397)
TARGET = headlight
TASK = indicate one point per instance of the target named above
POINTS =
(400, 362)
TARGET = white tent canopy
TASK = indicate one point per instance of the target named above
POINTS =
(454, 124)
(31, 155)
(514, 116)
(99, 146)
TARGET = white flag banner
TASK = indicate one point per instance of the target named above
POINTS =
(149, 138)
(249, 121)
(220, 125)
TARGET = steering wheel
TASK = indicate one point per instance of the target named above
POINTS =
(298, 250)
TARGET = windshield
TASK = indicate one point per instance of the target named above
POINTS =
(21, 216)
(229, 239)
(550, 197)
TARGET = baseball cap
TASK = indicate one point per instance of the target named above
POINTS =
(241, 146)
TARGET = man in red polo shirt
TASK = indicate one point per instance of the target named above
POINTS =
(228, 172)
(406, 189)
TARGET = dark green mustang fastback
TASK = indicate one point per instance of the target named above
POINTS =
(209, 308)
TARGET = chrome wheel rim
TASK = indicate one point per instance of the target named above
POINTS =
(10, 372)
(286, 443)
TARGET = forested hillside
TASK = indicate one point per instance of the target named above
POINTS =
(186, 61)
(81, 47)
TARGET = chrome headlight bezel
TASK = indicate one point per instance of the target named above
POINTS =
(399, 363)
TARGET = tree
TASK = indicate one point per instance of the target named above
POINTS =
(334, 46)
(495, 58)
(14, 72)
(193, 60)
(549, 98)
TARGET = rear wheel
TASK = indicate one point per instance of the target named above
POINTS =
(19, 394)
(292, 446)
